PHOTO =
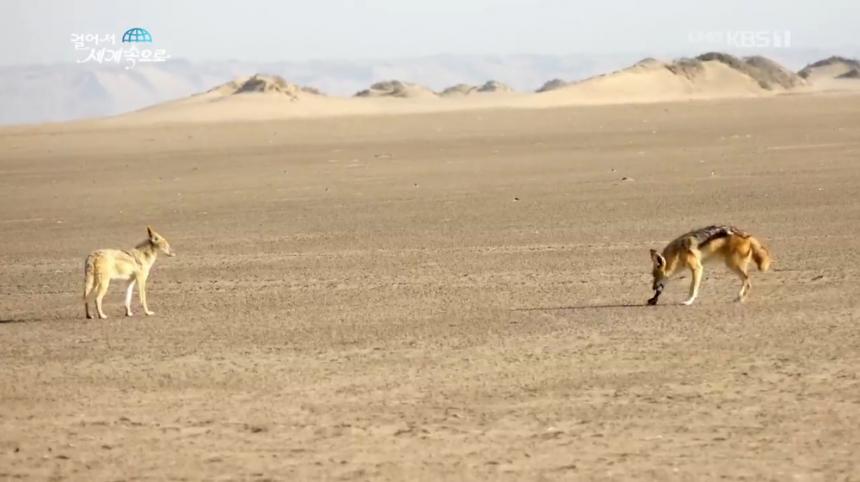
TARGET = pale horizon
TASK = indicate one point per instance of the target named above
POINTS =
(383, 30)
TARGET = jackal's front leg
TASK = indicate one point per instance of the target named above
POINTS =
(696, 269)
(128, 292)
(141, 292)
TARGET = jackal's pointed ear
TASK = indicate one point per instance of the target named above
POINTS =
(150, 232)
(657, 258)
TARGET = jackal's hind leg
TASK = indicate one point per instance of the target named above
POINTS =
(101, 291)
(88, 294)
(741, 270)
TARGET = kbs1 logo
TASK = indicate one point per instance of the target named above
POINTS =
(745, 39)
(134, 47)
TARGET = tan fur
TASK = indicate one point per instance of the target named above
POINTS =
(734, 246)
(132, 265)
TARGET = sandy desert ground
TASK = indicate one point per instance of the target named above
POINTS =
(448, 295)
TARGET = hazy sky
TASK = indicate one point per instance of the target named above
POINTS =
(38, 31)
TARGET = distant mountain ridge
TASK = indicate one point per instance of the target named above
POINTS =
(61, 92)
(34, 94)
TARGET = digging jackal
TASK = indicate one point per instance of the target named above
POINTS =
(131, 265)
(731, 244)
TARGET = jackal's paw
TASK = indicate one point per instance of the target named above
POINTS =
(688, 302)
(103, 317)
(149, 313)
(129, 314)
(740, 299)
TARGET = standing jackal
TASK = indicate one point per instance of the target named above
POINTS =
(736, 248)
(132, 265)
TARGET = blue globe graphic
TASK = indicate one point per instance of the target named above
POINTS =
(136, 35)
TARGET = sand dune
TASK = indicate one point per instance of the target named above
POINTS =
(396, 88)
(712, 75)
(770, 74)
(489, 87)
(260, 84)
(552, 85)
(829, 68)
(709, 76)
(833, 73)
(458, 90)
(228, 88)
(246, 98)
(275, 84)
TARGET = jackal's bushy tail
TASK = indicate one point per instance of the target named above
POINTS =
(760, 255)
